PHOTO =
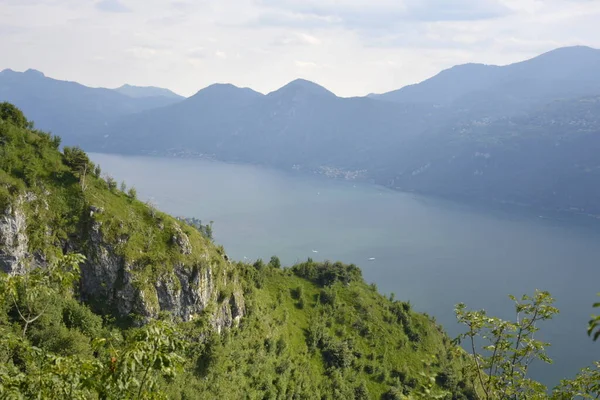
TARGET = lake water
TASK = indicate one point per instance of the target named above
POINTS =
(433, 252)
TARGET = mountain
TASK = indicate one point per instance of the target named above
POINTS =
(71, 109)
(299, 124)
(564, 72)
(468, 132)
(209, 111)
(155, 307)
(148, 91)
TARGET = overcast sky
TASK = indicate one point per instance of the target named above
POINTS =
(352, 47)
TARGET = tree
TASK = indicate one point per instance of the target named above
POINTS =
(12, 114)
(32, 293)
(502, 363)
(112, 184)
(275, 262)
(132, 193)
(79, 162)
(133, 371)
(127, 369)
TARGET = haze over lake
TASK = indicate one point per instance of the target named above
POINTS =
(432, 252)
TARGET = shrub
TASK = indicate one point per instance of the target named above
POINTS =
(132, 193)
(275, 262)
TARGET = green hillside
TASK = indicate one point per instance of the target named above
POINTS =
(152, 308)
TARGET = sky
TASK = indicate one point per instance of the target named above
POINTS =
(352, 47)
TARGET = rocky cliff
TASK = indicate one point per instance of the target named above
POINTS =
(176, 270)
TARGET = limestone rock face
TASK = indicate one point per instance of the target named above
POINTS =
(13, 239)
(110, 283)
(185, 291)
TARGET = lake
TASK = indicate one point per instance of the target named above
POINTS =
(433, 252)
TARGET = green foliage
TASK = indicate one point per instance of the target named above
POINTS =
(594, 324)
(586, 385)
(77, 160)
(205, 230)
(52, 359)
(111, 183)
(275, 262)
(327, 273)
(132, 193)
(13, 115)
(509, 347)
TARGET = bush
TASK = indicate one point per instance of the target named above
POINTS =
(112, 184)
(275, 262)
(327, 297)
(297, 293)
(80, 317)
(393, 394)
(132, 193)
(337, 354)
(361, 392)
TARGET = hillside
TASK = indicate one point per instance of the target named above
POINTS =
(69, 108)
(224, 329)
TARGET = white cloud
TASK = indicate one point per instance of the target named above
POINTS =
(306, 64)
(352, 47)
(297, 38)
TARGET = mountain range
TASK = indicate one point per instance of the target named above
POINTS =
(526, 133)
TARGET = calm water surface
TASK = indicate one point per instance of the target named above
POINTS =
(432, 252)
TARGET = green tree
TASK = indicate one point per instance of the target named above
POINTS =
(502, 361)
(12, 114)
(132, 193)
(275, 262)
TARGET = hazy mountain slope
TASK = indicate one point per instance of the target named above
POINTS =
(207, 116)
(73, 110)
(301, 123)
(147, 91)
(565, 72)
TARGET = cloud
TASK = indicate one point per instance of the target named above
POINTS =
(455, 10)
(376, 14)
(292, 20)
(296, 39)
(353, 46)
(306, 64)
(115, 6)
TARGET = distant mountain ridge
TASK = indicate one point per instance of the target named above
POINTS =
(564, 67)
(147, 91)
(524, 133)
(69, 108)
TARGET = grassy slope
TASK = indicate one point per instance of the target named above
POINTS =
(272, 355)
